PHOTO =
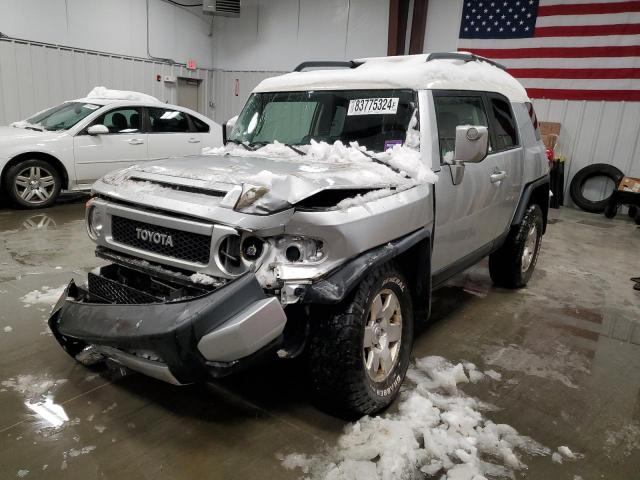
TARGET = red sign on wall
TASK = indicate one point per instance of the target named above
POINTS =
(191, 65)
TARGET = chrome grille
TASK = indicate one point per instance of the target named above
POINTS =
(188, 246)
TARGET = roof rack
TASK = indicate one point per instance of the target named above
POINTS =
(326, 64)
(465, 57)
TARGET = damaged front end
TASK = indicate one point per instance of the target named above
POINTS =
(165, 326)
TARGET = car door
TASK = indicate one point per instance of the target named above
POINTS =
(124, 145)
(465, 223)
(508, 155)
(170, 134)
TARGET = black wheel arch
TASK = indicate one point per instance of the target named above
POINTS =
(536, 192)
(53, 161)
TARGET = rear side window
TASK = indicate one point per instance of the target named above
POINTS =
(534, 119)
(452, 111)
(199, 125)
(164, 120)
(504, 126)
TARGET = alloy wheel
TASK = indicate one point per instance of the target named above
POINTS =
(35, 185)
(382, 336)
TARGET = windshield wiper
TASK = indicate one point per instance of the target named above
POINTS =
(298, 151)
(37, 129)
(238, 142)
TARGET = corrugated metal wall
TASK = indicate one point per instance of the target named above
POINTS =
(229, 98)
(595, 132)
(34, 76)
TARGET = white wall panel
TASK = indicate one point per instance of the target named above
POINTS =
(113, 26)
(277, 35)
(35, 76)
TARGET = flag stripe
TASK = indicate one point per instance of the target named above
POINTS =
(582, 73)
(588, 30)
(571, 94)
(537, 42)
(567, 20)
(619, 62)
(588, 9)
(551, 52)
(582, 84)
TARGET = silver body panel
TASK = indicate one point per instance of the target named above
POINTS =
(245, 333)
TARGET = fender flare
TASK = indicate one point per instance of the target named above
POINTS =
(527, 195)
(337, 285)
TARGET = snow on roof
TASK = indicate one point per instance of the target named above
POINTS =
(409, 71)
(104, 93)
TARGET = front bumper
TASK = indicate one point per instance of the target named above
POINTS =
(180, 341)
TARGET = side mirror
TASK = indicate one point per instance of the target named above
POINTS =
(472, 142)
(97, 130)
(227, 128)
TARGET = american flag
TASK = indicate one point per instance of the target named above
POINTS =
(560, 49)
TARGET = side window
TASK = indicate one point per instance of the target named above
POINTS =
(452, 111)
(505, 131)
(121, 120)
(164, 120)
(199, 125)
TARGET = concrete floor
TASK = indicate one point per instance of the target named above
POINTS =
(568, 349)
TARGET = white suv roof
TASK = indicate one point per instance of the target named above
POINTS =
(448, 71)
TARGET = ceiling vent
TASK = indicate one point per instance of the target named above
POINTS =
(222, 8)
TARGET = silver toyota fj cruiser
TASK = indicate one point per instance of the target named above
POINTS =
(342, 198)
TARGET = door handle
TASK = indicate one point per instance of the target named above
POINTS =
(136, 141)
(498, 175)
(193, 140)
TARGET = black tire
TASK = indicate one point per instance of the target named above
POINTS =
(509, 267)
(340, 381)
(633, 211)
(590, 171)
(611, 210)
(20, 192)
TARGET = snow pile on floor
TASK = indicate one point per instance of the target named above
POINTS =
(46, 295)
(105, 93)
(32, 386)
(437, 431)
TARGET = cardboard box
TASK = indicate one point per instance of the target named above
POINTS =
(549, 132)
(629, 184)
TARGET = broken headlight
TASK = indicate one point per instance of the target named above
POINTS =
(294, 249)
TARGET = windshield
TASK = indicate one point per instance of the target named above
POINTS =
(376, 119)
(63, 116)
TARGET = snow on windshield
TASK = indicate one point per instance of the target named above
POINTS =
(108, 94)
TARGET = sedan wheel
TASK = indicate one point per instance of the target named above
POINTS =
(33, 184)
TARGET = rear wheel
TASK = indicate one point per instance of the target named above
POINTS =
(33, 184)
(359, 352)
(512, 265)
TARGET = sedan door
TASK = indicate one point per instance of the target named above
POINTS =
(170, 134)
(124, 145)
(465, 224)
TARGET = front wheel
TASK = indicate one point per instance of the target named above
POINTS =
(33, 184)
(512, 265)
(359, 352)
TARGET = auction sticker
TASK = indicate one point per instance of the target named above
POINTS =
(373, 106)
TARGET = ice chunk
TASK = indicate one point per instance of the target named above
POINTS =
(46, 295)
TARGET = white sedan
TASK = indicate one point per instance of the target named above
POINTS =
(70, 146)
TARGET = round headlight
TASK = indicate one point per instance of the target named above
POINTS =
(94, 222)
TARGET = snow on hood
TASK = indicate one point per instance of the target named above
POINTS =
(275, 177)
(108, 94)
(412, 71)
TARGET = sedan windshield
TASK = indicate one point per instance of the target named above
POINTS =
(376, 119)
(63, 116)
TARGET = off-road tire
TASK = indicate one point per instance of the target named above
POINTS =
(339, 380)
(52, 191)
(506, 263)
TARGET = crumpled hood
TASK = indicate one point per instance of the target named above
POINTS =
(270, 184)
